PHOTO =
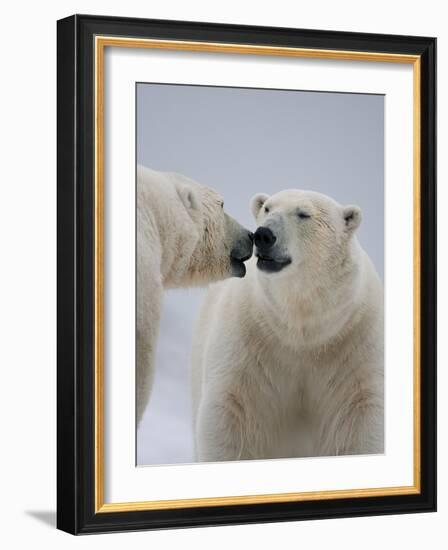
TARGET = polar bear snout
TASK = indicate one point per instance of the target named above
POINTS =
(241, 252)
(242, 249)
(269, 254)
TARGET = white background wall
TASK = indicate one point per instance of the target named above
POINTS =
(28, 268)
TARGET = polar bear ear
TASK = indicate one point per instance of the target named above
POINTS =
(189, 197)
(352, 217)
(257, 202)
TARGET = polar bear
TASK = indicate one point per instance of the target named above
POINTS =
(288, 362)
(184, 239)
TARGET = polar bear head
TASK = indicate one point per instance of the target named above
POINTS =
(216, 246)
(303, 234)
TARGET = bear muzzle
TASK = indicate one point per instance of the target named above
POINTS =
(240, 253)
(268, 258)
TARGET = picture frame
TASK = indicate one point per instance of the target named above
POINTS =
(82, 41)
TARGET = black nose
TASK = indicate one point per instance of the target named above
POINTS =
(264, 238)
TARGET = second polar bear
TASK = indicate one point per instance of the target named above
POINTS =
(184, 239)
(288, 362)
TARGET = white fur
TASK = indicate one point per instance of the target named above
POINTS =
(184, 238)
(290, 364)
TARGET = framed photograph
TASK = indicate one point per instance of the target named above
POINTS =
(246, 274)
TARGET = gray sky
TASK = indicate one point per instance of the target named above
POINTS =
(242, 142)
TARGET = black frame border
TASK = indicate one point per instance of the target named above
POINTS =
(76, 262)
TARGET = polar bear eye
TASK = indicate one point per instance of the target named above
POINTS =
(303, 215)
(221, 204)
(266, 209)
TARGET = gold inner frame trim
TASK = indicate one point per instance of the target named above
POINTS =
(101, 42)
